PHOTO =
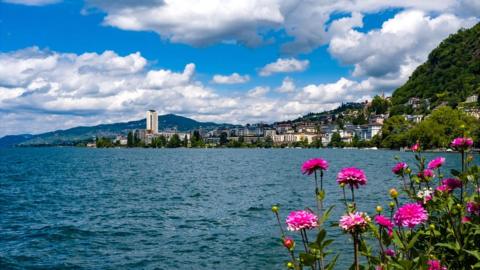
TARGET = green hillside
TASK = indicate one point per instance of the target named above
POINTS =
(451, 73)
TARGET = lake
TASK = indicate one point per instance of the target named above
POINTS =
(79, 208)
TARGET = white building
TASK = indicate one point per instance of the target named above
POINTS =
(152, 122)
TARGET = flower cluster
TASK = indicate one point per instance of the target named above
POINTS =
(400, 168)
(354, 222)
(310, 166)
(436, 163)
(410, 215)
(449, 184)
(473, 208)
(352, 176)
(301, 219)
(462, 143)
(425, 195)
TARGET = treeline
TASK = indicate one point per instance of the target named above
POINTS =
(437, 130)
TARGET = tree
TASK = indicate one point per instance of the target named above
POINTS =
(130, 139)
(268, 142)
(379, 105)
(336, 140)
(223, 138)
(103, 142)
(394, 132)
(185, 141)
(174, 141)
(196, 140)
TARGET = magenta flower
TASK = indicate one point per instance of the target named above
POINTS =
(410, 215)
(462, 143)
(426, 174)
(354, 222)
(400, 168)
(436, 163)
(473, 208)
(311, 165)
(415, 147)
(390, 252)
(385, 222)
(449, 184)
(466, 220)
(301, 219)
(435, 265)
(352, 176)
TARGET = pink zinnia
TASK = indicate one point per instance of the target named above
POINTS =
(400, 168)
(354, 222)
(385, 222)
(310, 166)
(473, 208)
(466, 220)
(426, 174)
(410, 215)
(436, 163)
(462, 143)
(301, 219)
(435, 265)
(352, 176)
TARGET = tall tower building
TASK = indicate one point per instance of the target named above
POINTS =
(152, 121)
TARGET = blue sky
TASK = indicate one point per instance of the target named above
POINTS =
(68, 63)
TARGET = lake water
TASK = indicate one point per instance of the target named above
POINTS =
(78, 208)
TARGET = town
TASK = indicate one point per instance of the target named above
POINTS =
(350, 125)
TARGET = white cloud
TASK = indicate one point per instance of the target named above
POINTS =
(284, 65)
(233, 78)
(288, 86)
(196, 22)
(32, 2)
(258, 91)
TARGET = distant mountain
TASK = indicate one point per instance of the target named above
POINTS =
(451, 73)
(78, 134)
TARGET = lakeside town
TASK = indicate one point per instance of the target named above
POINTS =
(350, 125)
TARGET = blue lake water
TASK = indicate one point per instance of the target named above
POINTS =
(78, 208)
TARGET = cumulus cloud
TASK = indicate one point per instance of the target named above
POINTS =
(288, 86)
(233, 78)
(42, 90)
(258, 91)
(284, 65)
(32, 2)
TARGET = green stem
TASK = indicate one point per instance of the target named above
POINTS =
(355, 251)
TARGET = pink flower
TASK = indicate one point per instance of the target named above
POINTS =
(462, 143)
(426, 174)
(354, 222)
(310, 166)
(435, 265)
(390, 252)
(466, 220)
(301, 219)
(449, 184)
(473, 208)
(400, 168)
(410, 215)
(436, 163)
(415, 147)
(352, 176)
(385, 222)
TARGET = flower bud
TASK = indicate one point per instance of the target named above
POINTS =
(288, 243)
(379, 209)
(290, 265)
(392, 205)
(469, 158)
(393, 193)
(274, 209)
(408, 170)
(462, 126)
(432, 227)
(342, 185)
(459, 206)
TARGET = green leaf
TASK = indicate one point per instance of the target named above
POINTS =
(455, 172)
(475, 253)
(413, 241)
(332, 263)
(320, 236)
(452, 246)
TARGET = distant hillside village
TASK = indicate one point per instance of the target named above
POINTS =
(350, 125)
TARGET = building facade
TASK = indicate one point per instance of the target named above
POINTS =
(152, 122)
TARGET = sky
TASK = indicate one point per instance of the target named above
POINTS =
(70, 63)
